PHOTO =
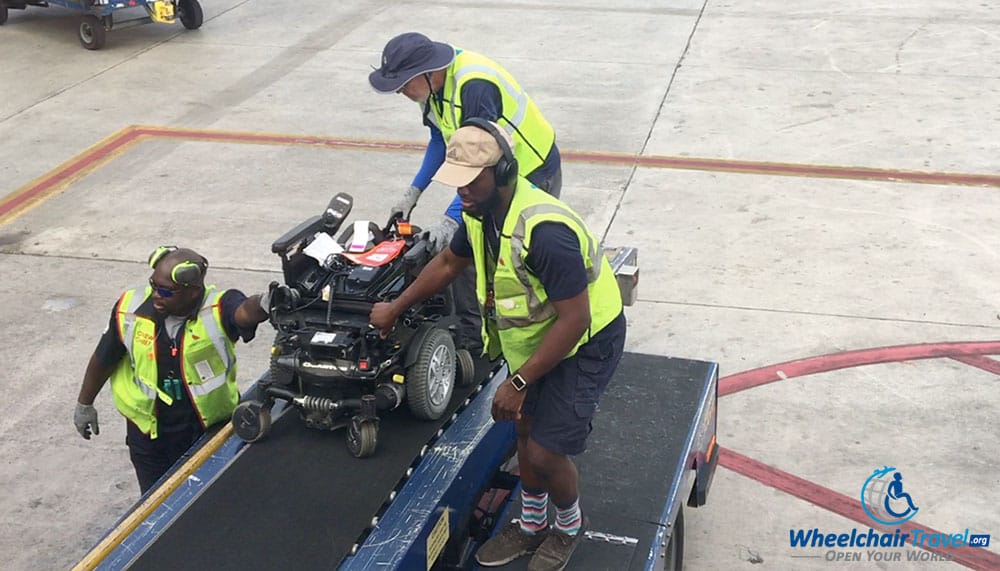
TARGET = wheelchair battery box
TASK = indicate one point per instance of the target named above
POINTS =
(361, 277)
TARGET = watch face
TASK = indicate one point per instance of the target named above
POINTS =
(518, 382)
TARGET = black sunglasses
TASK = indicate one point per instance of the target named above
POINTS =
(162, 291)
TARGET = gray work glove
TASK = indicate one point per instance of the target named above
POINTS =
(265, 297)
(85, 419)
(439, 235)
(407, 203)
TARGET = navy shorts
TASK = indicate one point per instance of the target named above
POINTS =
(563, 402)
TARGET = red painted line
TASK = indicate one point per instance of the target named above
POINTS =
(79, 165)
(978, 361)
(788, 169)
(812, 365)
(67, 171)
(687, 163)
(850, 508)
(280, 139)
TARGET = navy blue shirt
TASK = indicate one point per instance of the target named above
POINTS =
(554, 257)
(110, 350)
(480, 98)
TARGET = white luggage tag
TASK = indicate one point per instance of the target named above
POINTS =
(359, 242)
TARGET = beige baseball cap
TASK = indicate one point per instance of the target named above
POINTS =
(470, 150)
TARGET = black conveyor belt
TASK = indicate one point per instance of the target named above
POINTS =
(632, 455)
(296, 500)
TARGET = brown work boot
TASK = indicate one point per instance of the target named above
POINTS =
(508, 545)
(554, 553)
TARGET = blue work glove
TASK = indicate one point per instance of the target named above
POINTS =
(439, 235)
(85, 419)
(407, 203)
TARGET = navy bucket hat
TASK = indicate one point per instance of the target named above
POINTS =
(407, 56)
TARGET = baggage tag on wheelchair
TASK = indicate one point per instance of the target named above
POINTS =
(359, 242)
(380, 255)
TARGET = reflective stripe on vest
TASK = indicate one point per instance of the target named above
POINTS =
(522, 312)
(515, 93)
(520, 117)
(207, 317)
(539, 311)
(128, 338)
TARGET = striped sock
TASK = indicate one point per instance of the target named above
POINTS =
(534, 511)
(568, 519)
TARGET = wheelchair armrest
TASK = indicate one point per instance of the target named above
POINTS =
(419, 254)
(293, 237)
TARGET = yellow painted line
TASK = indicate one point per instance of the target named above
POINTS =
(58, 179)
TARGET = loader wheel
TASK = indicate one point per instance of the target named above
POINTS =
(190, 14)
(251, 421)
(675, 550)
(362, 437)
(431, 379)
(466, 373)
(92, 34)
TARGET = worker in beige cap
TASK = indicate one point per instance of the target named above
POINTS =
(551, 308)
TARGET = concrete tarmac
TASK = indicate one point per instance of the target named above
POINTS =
(805, 182)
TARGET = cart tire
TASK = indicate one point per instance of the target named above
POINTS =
(3, 15)
(251, 421)
(92, 33)
(675, 550)
(362, 437)
(430, 381)
(190, 14)
(466, 373)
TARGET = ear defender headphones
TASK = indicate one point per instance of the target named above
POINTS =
(185, 273)
(505, 171)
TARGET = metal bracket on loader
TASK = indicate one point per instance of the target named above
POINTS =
(625, 264)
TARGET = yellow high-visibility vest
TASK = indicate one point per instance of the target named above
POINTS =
(533, 135)
(523, 312)
(207, 357)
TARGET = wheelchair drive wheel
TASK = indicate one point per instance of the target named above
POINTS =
(431, 379)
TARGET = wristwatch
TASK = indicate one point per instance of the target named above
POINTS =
(518, 382)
